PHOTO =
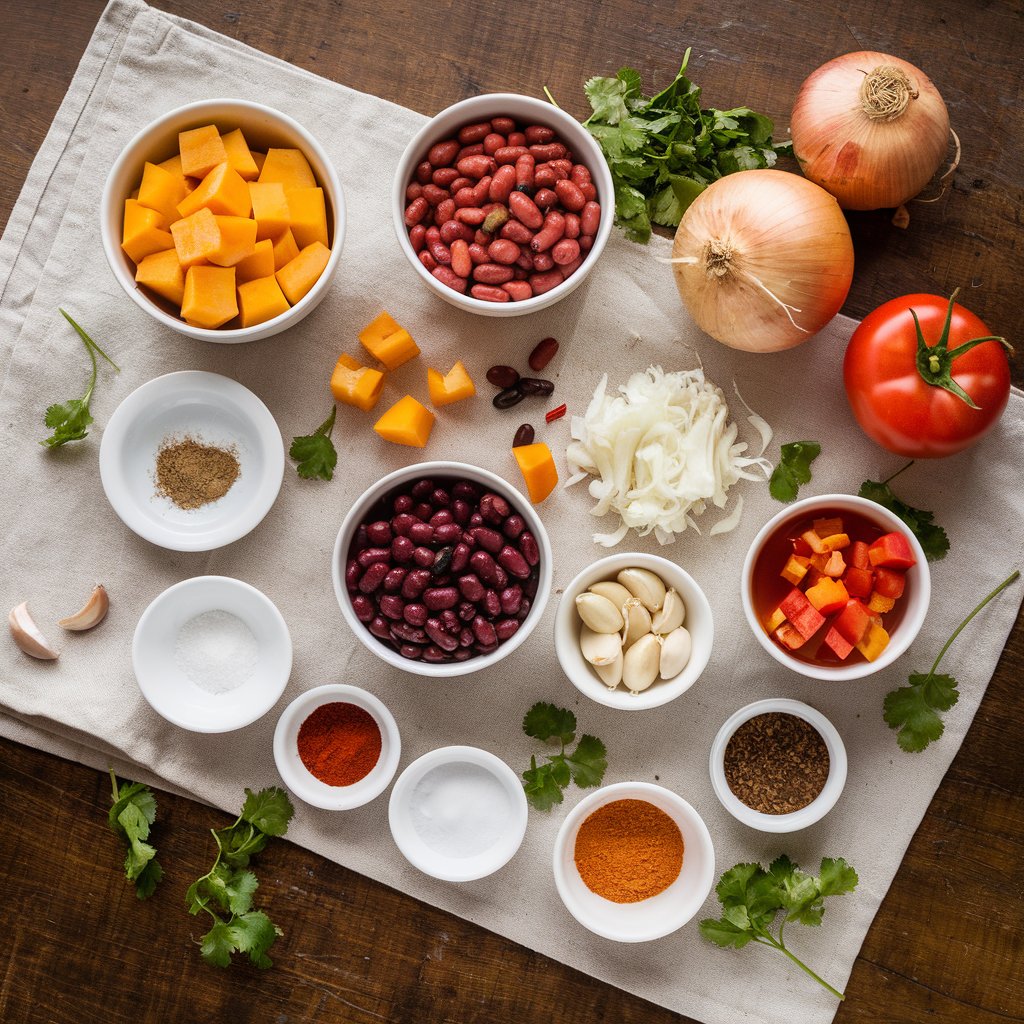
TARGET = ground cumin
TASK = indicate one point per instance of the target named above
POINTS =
(628, 851)
(193, 474)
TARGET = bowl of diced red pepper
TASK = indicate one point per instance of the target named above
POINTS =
(835, 587)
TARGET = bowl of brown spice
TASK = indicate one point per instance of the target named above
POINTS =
(778, 765)
(191, 461)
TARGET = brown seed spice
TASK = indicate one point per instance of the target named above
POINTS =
(193, 474)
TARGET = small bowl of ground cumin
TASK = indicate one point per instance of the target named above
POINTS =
(778, 765)
(633, 862)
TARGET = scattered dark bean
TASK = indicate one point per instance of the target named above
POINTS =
(536, 386)
(503, 376)
(542, 354)
(507, 398)
(524, 436)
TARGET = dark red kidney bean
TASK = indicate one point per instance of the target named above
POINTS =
(470, 215)
(524, 609)
(542, 262)
(513, 526)
(363, 607)
(543, 352)
(361, 541)
(523, 436)
(466, 635)
(460, 511)
(586, 241)
(423, 557)
(505, 629)
(551, 232)
(460, 558)
(494, 508)
(370, 555)
(416, 211)
(434, 195)
(590, 218)
(412, 652)
(353, 571)
(473, 149)
(484, 566)
(538, 134)
(475, 166)
(492, 273)
(545, 177)
(548, 151)
(416, 237)
(415, 613)
(441, 154)
(433, 654)
(436, 598)
(427, 260)
(518, 290)
(466, 611)
(530, 586)
(408, 631)
(424, 172)
(466, 491)
(394, 579)
(474, 132)
(570, 196)
(448, 533)
(572, 225)
(380, 627)
(491, 604)
(401, 522)
(391, 606)
(471, 588)
(504, 251)
(484, 632)
(481, 192)
(516, 138)
(507, 398)
(415, 583)
(502, 376)
(462, 264)
(503, 125)
(510, 154)
(502, 183)
(524, 209)
(531, 552)
(464, 199)
(510, 599)
(467, 537)
(545, 198)
(435, 631)
(525, 170)
(541, 283)
(441, 253)
(402, 503)
(500, 578)
(509, 558)
(448, 277)
(565, 251)
(462, 654)
(488, 539)
(443, 176)
(478, 254)
(413, 191)
(421, 533)
(455, 231)
(489, 293)
(379, 532)
(589, 191)
(493, 142)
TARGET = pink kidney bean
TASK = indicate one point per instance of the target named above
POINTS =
(551, 232)
(493, 142)
(590, 218)
(481, 191)
(434, 195)
(510, 154)
(478, 254)
(460, 183)
(566, 251)
(443, 153)
(502, 183)
(444, 211)
(489, 293)
(492, 273)
(474, 132)
(475, 166)
(516, 231)
(427, 260)
(517, 290)
(414, 191)
(571, 268)
(586, 242)
(545, 177)
(452, 230)
(517, 139)
(538, 134)
(502, 250)
(444, 176)
(465, 197)
(569, 195)
(470, 215)
(542, 262)
(572, 225)
(448, 276)
(416, 211)
(461, 262)
(525, 210)
(541, 283)
(503, 125)
(545, 198)
(424, 172)
(474, 149)
(416, 237)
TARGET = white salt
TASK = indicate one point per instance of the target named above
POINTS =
(460, 810)
(217, 651)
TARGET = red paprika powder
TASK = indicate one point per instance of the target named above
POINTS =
(339, 743)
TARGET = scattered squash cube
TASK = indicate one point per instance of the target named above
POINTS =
(308, 215)
(260, 263)
(356, 385)
(452, 387)
(195, 237)
(209, 299)
(239, 156)
(201, 150)
(288, 166)
(388, 342)
(270, 209)
(538, 468)
(222, 191)
(145, 231)
(237, 240)
(300, 274)
(406, 422)
(161, 272)
(377, 330)
(260, 300)
(162, 190)
(285, 249)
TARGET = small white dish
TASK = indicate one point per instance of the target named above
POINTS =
(302, 782)
(698, 621)
(214, 410)
(434, 862)
(819, 806)
(170, 691)
(651, 918)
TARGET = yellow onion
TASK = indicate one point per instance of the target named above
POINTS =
(871, 129)
(763, 260)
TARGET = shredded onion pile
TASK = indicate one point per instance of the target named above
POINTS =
(662, 449)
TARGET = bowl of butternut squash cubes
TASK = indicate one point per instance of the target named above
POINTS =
(224, 220)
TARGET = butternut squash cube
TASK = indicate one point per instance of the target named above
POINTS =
(237, 240)
(308, 215)
(239, 156)
(377, 330)
(162, 190)
(289, 167)
(222, 191)
(201, 150)
(260, 300)
(406, 422)
(300, 274)
(259, 264)
(538, 468)
(356, 385)
(396, 349)
(259, 159)
(452, 387)
(161, 272)
(270, 209)
(209, 299)
(145, 231)
(285, 249)
(196, 237)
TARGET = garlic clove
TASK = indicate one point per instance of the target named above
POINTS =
(645, 586)
(671, 614)
(637, 622)
(92, 613)
(611, 674)
(615, 592)
(26, 634)
(675, 652)
(640, 663)
(599, 648)
(599, 613)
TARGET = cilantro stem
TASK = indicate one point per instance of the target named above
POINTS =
(89, 343)
(959, 629)
(898, 471)
(114, 787)
(326, 429)
(551, 99)
(766, 939)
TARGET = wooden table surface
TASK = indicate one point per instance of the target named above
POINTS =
(947, 944)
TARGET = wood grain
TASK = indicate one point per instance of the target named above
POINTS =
(948, 941)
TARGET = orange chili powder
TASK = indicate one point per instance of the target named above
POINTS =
(339, 743)
(628, 851)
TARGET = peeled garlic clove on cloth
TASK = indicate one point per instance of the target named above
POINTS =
(637, 622)
(645, 586)
(611, 674)
(27, 636)
(615, 592)
(671, 614)
(640, 663)
(675, 652)
(599, 613)
(90, 614)
(599, 648)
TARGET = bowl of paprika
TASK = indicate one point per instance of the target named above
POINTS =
(337, 747)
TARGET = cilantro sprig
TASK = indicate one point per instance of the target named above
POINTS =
(794, 469)
(133, 810)
(932, 537)
(914, 710)
(228, 887)
(752, 897)
(315, 453)
(585, 765)
(70, 420)
(663, 151)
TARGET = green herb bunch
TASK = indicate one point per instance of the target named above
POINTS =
(585, 765)
(133, 810)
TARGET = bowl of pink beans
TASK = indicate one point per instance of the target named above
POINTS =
(503, 204)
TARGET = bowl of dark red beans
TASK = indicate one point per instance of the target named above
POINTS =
(442, 569)
(503, 204)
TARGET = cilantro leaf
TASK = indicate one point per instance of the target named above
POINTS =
(608, 95)
(546, 722)
(725, 934)
(541, 789)
(254, 933)
(218, 944)
(794, 469)
(269, 810)
(132, 811)
(932, 537)
(836, 877)
(315, 453)
(585, 765)
(148, 879)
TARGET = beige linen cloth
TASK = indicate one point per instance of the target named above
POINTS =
(59, 535)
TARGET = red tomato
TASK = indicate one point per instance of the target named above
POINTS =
(908, 410)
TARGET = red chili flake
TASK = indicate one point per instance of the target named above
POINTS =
(555, 414)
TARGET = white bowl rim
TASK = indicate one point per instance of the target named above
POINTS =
(662, 690)
(462, 869)
(795, 820)
(116, 435)
(548, 112)
(239, 334)
(522, 505)
(153, 611)
(913, 617)
(628, 790)
(306, 786)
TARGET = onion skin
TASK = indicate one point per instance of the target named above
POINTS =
(784, 232)
(866, 163)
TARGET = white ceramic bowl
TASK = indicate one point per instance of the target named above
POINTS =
(526, 110)
(651, 918)
(215, 410)
(432, 861)
(168, 688)
(698, 621)
(915, 599)
(460, 471)
(302, 782)
(819, 806)
(263, 127)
